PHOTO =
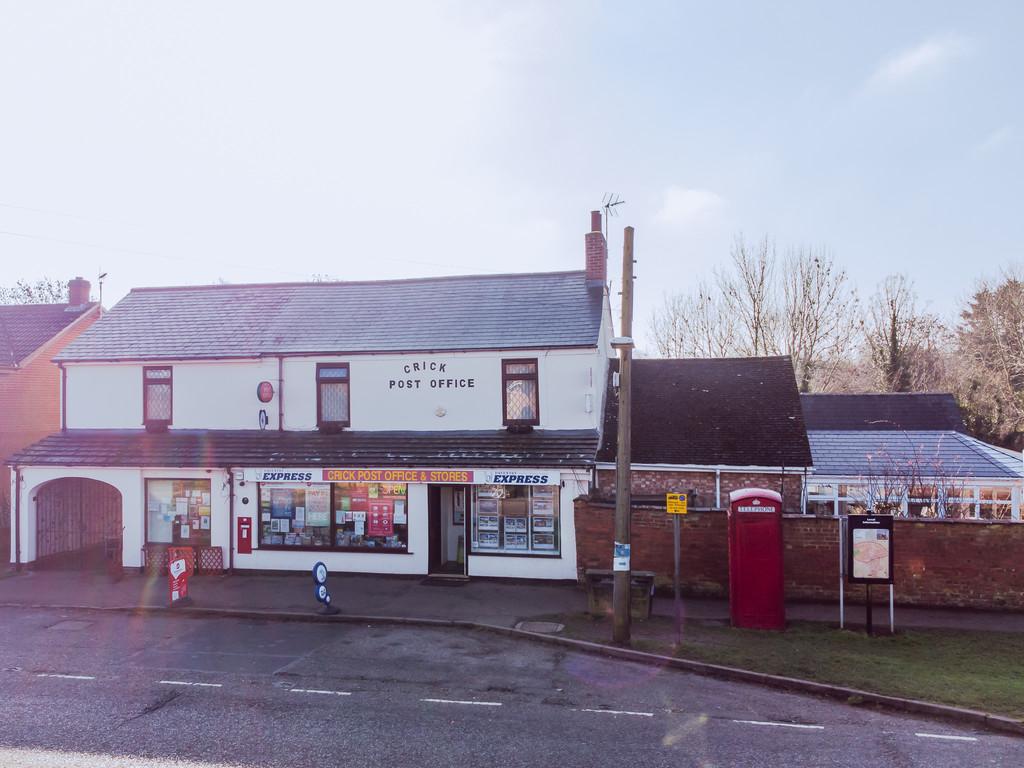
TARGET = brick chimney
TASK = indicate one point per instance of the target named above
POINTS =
(78, 292)
(597, 253)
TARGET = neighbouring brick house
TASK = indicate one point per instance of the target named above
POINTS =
(707, 425)
(30, 382)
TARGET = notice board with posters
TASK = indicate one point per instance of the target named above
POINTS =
(869, 550)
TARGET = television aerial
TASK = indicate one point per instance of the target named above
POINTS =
(609, 203)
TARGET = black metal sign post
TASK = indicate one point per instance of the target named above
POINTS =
(867, 592)
(678, 601)
(869, 555)
(676, 505)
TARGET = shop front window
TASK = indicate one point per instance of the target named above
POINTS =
(341, 516)
(515, 520)
(178, 512)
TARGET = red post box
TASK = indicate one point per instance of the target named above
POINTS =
(756, 587)
(244, 535)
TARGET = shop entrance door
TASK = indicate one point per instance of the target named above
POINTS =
(447, 509)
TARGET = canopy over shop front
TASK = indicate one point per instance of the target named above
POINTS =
(255, 448)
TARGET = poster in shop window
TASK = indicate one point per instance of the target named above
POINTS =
(380, 520)
(318, 507)
(281, 504)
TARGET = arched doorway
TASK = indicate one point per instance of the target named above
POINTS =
(78, 524)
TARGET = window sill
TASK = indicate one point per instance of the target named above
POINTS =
(535, 555)
(354, 550)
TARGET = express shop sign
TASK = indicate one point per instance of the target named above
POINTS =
(402, 475)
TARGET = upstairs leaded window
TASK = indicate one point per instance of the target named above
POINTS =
(157, 386)
(519, 393)
(332, 396)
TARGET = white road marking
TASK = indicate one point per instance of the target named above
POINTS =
(66, 677)
(456, 701)
(782, 725)
(619, 712)
(313, 690)
(184, 682)
(944, 736)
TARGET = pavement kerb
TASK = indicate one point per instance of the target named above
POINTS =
(851, 696)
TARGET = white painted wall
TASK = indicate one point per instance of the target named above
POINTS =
(209, 395)
(222, 395)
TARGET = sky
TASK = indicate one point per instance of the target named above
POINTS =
(197, 142)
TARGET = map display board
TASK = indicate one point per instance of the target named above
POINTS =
(869, 552)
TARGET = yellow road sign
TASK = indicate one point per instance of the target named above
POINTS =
(675, 503)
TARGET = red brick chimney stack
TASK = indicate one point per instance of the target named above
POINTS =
(597, 253)
(78, 292)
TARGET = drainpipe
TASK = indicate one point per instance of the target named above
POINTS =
(718, 489)
(17, 517)
(231, 520)
(280, 393)
(63, 397)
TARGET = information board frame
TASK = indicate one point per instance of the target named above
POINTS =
(880, 524)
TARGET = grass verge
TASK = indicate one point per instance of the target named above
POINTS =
(976, 670)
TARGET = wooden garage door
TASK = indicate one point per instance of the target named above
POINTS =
(78, 523)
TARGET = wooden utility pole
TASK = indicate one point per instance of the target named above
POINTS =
(621, 563)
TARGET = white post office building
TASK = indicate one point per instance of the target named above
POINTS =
(439, 425)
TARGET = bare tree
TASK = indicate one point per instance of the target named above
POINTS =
(751, 296)
(45, 291)
(698, 324)
(803, 307)
(907, 347)
(818, 317)
(990, 347)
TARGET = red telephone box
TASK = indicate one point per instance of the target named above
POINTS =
(245, 535)
(756, 591)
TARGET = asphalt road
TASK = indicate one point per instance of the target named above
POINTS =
(85, 689)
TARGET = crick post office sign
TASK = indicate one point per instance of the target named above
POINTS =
(430, 375)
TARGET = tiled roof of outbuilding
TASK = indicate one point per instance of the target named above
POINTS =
(254, 448)
(726, 411)
(882, 411)
(24, 328)
(910, 453)
(513, 311)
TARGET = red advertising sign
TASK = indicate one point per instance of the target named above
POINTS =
(181, 565)
(381, 519)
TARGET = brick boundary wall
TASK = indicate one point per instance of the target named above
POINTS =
(940, 563)
(647, 482)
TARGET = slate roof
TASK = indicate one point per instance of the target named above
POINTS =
(912, 410)
(516, 311)
(24, 328)
(727, 411)
(253, 448)
(928, 453)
